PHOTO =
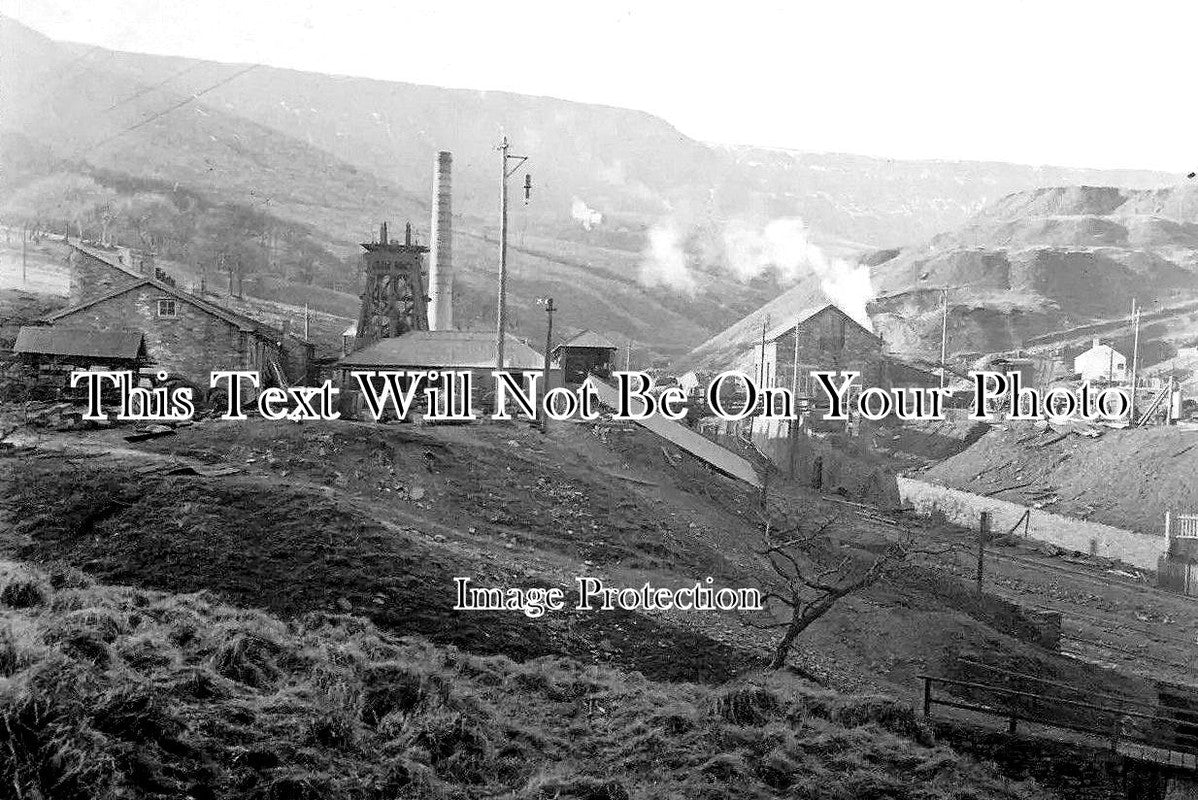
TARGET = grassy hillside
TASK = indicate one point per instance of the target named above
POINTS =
(118, 692)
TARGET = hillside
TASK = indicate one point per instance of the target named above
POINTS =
(120, 692)
(1039, 261)
(1124, 478)
(889, 202)
(638, 231)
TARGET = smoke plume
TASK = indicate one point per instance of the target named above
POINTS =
(663, 262)
(584, 214)
(748, 250)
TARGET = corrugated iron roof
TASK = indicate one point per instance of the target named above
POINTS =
(587, 339)
(55, 341)
(443, 349)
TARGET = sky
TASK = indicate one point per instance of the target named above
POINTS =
(1088, 84)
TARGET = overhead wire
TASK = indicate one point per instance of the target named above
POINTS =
(159, 115)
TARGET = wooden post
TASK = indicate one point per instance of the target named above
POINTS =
(983, 535)
(943, 336)
(549, 309)
(1135, 363)
(927, 696)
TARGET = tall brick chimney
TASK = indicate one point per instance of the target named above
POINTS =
(440, 270)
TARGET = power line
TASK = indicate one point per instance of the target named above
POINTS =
(147, 89)
(166, 111)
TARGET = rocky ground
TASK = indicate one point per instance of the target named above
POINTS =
(376, 521)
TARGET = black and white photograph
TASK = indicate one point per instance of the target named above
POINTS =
(659, 400)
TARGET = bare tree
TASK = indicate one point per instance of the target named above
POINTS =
(807, 586)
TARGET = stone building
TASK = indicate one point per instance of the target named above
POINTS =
(185, 335)
(824, 338)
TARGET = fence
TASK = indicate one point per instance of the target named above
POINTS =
(1165, 734)
(1177, 570)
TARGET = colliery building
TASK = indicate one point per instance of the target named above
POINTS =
(184, 335)
(822, 337)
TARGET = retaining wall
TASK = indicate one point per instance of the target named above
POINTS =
(1142, 550)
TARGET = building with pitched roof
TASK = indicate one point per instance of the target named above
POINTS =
(586, 353)
(185, 335)
(445, 350)
(821, 337)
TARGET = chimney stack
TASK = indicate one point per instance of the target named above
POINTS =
(440, 270)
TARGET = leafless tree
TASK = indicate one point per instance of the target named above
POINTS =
(811, 574)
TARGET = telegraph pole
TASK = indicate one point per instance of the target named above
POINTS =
(549, 309)
(761, 372)
(1135, 358)
(943, 336)
(501, 313)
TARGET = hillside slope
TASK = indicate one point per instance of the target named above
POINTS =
(120, 692)
(889, 202)
(638, 231)
(1125, 478)
(1040, 261)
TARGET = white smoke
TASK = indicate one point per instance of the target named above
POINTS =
(584, 214)
(783, 246)
(663, 262)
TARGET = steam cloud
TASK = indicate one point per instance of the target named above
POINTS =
(584, 214)
(782, 245)
(664, 262)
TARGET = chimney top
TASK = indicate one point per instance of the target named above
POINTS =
(1097, 341)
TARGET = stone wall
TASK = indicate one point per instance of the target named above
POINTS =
(1072, 770)
(191, 344)
(92, 278)
(1142, 550)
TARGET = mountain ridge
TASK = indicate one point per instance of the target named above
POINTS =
(305, 148)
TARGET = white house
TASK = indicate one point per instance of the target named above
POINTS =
(1101, 362)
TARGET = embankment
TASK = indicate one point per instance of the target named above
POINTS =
(1123, 478)
(963, 508)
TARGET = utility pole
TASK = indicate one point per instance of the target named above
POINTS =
(24, 264)
(1135, 361)
(983, 535)
(501, 313)
(794, 369)
(628, 357)
(943, 336)
(549, 309)
(761, 372)
(306, 324)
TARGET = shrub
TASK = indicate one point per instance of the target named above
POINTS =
(23, 594)
(394, 688)
(888, 713)
(248, 659)
(745, 705)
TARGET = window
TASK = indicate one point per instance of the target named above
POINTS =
(166, 307)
